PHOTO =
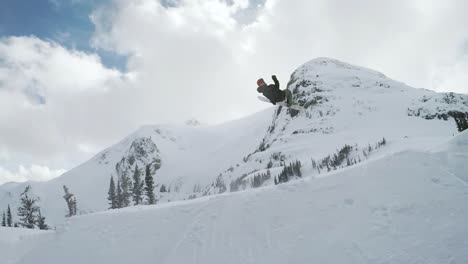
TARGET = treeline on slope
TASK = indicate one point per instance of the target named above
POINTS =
(344, 158)
(255, 181)
(288, 172)
(138, 190)
(29, 213)
(461, 120)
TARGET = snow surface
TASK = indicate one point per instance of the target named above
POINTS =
(345, 104)
(16, 242)
(404, 207)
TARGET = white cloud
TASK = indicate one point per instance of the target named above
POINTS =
(200, 40)
(52, 99)
(30, 62)
(30, 173)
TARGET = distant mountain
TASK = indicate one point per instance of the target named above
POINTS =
(352, 115)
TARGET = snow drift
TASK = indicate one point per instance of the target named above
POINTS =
(406, 207)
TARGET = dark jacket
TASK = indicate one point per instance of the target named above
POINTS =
(272, 91)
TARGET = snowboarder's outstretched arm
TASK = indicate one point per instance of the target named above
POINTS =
(277, 85)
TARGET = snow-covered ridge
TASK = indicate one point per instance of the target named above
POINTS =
(345, 105)
(408, 207)
(438, 105)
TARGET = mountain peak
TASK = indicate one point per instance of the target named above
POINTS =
(324, 65)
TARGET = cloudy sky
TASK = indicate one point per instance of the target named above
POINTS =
(78, 75)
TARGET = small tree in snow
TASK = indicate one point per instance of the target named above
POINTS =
(125, 184)
(70, 199)
(137, 190)
(28, 209)
(9, 219)
(119, 195)
(111, 197)
(149, 186)
(3, 219)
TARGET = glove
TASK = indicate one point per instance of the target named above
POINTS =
(273, 77)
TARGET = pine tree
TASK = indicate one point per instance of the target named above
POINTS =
(137, 190)
(125, 184)
(41, 222)
(4, 219)
(28, 209)
(163, 188)
(111, 194)
(70, 199)
(119, 195)
(149, 186)
(74, 206)
(283, 177)
(9, 220)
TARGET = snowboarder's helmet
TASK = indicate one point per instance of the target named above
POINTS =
(260, 82)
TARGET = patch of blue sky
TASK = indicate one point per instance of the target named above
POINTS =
(64, 21)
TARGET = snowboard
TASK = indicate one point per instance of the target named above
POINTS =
(293, 106)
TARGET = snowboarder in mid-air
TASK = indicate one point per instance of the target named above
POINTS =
(273, 92)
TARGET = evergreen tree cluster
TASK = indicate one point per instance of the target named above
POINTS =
(259, 179)
(7, 218)
(291, 170)
(29, 212)
(238, 183)
(461, 119)
(337, 160)
(256, 181)
(121, 194)
(70, 199)
(220, 184)
(379, 144)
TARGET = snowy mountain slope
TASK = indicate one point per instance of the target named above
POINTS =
(345, 104)
(407, 207)
(182, 157)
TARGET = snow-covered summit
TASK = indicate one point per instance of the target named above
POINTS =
(324, 65)
(345, 105)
